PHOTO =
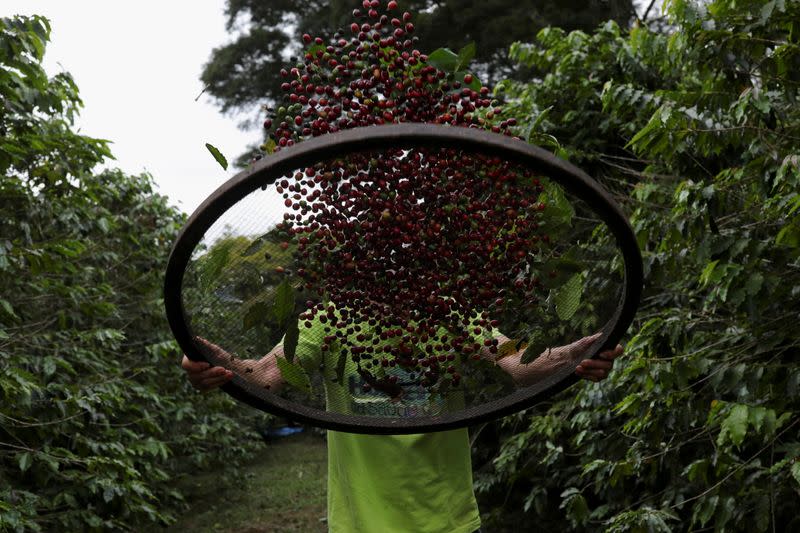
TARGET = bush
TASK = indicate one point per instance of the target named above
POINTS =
(695, 129)
(97, 419)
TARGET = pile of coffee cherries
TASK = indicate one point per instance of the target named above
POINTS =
(414, 250)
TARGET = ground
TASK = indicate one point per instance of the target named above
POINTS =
(283, 489)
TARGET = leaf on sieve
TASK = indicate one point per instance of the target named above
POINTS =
(537, 345)
(340, 364)
(293, 374)
(444, 59)
(474, 84)
(290, 340)
(283, 307)
(568, 297)
(465, 55)
(508, 348)
(269, 146)
(558, 211)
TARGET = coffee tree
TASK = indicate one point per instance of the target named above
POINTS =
(696, 131)
(96, 418)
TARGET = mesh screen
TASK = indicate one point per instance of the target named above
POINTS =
(402, 286)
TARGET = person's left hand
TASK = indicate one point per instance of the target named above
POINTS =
(598, 369)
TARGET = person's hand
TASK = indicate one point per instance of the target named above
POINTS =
(598, 369)
(554, 359)
(203, 377)
(263, 372)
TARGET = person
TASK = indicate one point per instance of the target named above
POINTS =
(420, 483)
(399, 483)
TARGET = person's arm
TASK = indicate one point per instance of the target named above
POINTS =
(556, 358)
(263, 372)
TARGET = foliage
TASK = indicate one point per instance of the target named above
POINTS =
(96, 418)
(218, 156)
(245, 72)
(241, 290)
(695, 130)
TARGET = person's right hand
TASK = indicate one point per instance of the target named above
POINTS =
(203, 377)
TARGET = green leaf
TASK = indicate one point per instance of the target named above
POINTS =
(734, 426)
(706, 276)
(558, 210)
(104, 225)
(218, 156)
(269, 146)
(537, 344)
(24, 460)
(283, 307)
(293, 374)
(568, 297)
(704, 510)
(796, 470)
(697, 470)
(8, 309)
(754, 284)
(766, 11)
(290, 340)
(49, 366)
(465, 55)
(258, 313)
(340, 365)
(757, 415)
(789, 235)
(575, 504)
(560, 205)
(444, 59)
(793, 384)
(762, 513)
(537, 122)
(214, 263)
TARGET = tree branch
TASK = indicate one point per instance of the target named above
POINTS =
(647, 11)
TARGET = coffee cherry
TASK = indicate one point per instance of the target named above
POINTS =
(422, 244)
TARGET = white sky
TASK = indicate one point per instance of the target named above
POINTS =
(137, 65)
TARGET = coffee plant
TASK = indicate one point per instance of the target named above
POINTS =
(694, 124)
(97, 421)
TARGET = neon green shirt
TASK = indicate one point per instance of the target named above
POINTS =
(392, 483)
(401, 483)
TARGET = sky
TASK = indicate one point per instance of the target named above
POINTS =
(137, 65)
